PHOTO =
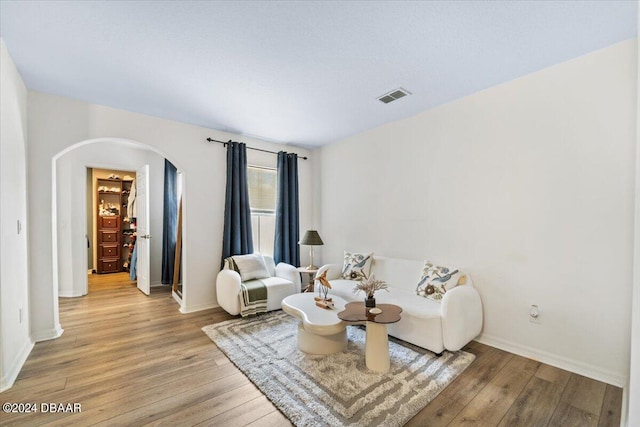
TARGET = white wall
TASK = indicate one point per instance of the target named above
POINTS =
(71, 205)
(15, 343)
(528, 186)
(633, 394)
(57, 123)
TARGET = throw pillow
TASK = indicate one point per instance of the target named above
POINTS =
(437, 280)
(251, 267)
(356, 266)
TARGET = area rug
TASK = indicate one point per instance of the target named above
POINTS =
(337, 389)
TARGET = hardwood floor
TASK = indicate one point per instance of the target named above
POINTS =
(101, 282)
(134, 360)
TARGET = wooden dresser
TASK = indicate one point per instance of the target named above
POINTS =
(109, 225)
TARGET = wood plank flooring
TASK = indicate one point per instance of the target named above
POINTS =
(133, 360)
(101, 282)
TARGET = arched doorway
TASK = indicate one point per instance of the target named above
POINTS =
(68, 212)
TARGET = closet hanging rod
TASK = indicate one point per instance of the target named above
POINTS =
(251, 148)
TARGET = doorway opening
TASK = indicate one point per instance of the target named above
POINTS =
(111, 228)
(76, 205)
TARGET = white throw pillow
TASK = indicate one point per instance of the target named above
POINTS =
(251, 267)
(437, 280)
(356, 266)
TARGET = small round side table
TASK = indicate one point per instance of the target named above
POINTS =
(377, 339)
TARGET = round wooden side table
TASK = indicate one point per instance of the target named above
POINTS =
(377, 339)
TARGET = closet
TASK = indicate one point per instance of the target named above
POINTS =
(115, 229)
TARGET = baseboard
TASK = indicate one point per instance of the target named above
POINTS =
(624, 413)
(9, 377)
(558, 361)
(71, 294)
(155, 284)
(176, 297)
(193, 309)
(47, 335)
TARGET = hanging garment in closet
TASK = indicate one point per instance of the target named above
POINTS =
(131, 201)
(133, 265)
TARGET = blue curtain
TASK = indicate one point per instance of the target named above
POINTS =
(169, 221)
(286, 247)
(237, 238)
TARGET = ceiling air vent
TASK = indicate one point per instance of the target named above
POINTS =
(393, 95)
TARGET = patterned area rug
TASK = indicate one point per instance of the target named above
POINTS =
(338, 389)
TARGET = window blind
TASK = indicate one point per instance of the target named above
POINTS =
(262, 189)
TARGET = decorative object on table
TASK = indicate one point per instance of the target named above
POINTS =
(323, 291)
(369, 285)
(311, 238)
(326, 304)
(356, 266)
(334, 389)
(437, 280)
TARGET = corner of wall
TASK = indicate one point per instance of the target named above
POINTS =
(47, 334)
(15, 343)
(631, 413)
(9, 376)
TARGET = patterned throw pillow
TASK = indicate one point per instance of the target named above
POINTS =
(437, 280)
(356, 266)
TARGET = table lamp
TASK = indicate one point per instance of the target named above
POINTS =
(311, 238)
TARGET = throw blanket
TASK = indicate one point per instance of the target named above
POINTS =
(253, 294)
(253, 298)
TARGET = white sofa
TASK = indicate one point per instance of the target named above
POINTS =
(284, 281)
(434, 325)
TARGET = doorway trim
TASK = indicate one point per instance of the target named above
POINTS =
(82, 265)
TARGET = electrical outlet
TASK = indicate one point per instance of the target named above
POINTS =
(534, 314)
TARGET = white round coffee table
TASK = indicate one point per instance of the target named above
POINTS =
(320, 331)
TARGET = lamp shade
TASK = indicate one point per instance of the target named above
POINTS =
(312, 238)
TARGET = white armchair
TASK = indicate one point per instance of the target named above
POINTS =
(284, 280)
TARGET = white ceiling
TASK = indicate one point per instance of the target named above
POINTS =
(305, 73)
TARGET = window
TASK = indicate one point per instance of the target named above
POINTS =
(262, 197)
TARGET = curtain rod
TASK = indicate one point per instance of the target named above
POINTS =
(251, 148)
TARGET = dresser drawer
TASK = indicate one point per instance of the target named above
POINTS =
(109, 251)
(109, 222)
(109, 265)
(106, 236)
